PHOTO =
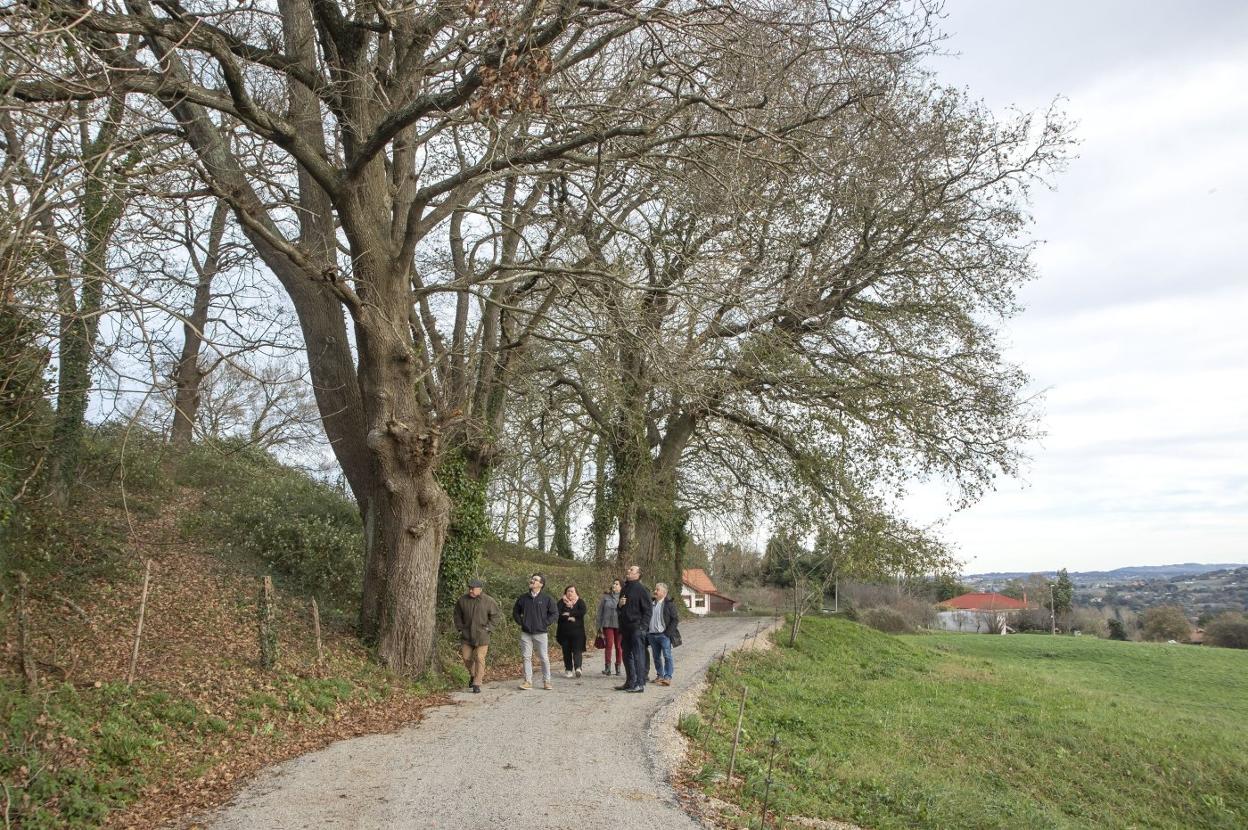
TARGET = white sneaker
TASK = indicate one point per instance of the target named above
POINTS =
(567, 674)
(577, 672)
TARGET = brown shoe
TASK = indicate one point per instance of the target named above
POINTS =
(663, 682)
(526, 685)
(547, 686)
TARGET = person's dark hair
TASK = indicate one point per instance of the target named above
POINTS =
(539, 577)
(566, 587)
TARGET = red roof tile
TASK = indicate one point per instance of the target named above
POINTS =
(985, 602)
(698, 581)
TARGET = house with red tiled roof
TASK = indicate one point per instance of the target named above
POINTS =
(988, 612)
(986, 602)
(700, 595)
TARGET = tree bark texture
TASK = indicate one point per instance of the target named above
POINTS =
(189, 371)
(602, 519)
(80, 310)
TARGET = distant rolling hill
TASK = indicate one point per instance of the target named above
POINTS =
(1126, 574)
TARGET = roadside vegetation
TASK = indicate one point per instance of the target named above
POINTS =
(960, 731)
(81, 747)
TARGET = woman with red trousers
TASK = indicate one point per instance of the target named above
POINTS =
(609, 627)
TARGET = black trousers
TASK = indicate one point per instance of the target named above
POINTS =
(635, 656)
(572, 653)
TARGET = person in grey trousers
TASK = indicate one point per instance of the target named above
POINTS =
(535, 612)
(609, 626)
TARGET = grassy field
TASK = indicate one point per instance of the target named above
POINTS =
(969, 731)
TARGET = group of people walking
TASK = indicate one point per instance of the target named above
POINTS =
(633, 625)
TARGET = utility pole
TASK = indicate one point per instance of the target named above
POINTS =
(1052, 612)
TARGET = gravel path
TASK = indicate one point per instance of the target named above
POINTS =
(580, 756)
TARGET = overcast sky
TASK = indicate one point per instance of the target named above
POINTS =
(1137, 328)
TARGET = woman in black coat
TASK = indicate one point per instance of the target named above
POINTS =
(570, 632)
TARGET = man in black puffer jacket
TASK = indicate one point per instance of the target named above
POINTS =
(534, 612)
(635, 605)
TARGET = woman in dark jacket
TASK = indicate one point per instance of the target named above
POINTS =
(570, 632)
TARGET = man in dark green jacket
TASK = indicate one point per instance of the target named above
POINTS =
(475, 615)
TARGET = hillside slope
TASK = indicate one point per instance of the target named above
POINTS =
(83, 749)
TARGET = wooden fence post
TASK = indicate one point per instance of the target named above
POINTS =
(268, 631)
(138, 631)
(771, 760)
(24, 658)
(714, 721)
(736, 737)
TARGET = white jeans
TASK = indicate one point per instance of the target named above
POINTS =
(529, 642)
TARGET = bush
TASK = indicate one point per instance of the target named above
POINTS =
(1117, 631)
(888, 620)
(1033, 619)
(1088, 621)
(116, 454)
(216, 463)
(1165, 622)
(302, 528)
(1228, 630)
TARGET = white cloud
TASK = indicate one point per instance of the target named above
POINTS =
(1138, 328)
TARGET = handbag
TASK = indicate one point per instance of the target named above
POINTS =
(600, 642)
(675, 638)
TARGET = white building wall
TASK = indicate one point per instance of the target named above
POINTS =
(695, 603)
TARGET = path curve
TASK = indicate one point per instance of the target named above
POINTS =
(580, 756)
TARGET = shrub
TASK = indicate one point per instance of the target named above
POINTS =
(888, 620)
(1032, 619)
(1165, 622)
(1089, 622)
(1228, 630)
(1117, 631)
(216, 463)
(300, 527)
(119, 453)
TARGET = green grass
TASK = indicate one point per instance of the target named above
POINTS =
(967, 731)
(71, 755)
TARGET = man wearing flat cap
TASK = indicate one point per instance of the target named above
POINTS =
(475, 614)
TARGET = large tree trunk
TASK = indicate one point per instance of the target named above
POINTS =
(625, 550)
(80, 316)
(660, 532)
(563, 529)
(601, 524)
(189, 372)
(651, 543)
(411, 528)
(467, 485)
(408, 511)
(541, 524)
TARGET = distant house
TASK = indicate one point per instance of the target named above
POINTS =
(986, 602)
(700, 594)
(986, 612)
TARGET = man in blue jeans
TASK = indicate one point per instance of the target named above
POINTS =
(635, 607)
(662, 634)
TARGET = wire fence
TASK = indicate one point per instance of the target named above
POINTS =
(732, 763)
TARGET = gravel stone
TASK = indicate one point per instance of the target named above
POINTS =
(581, 756)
